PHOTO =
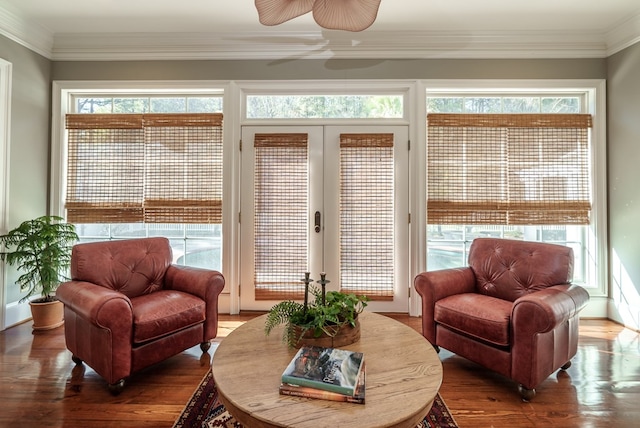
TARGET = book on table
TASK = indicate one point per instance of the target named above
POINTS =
(326, 369)
(305, 391)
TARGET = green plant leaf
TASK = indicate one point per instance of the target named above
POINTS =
(339, 309)
(41, 250)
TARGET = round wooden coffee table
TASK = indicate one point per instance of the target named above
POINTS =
(404, 374)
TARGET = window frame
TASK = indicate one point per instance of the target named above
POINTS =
(63, 95)
(594, 103)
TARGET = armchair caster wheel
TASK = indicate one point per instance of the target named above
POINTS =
(205, 346)
(76, 360)
(526, 393)
(116, 388)
(566, 365)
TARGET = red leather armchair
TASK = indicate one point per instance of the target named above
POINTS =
(127, 307)
(513, 310)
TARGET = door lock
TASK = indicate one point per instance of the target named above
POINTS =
(317, 222)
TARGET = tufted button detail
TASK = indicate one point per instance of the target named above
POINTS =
(509, 269)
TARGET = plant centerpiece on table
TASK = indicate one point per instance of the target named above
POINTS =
(41, 250)
(329, 319)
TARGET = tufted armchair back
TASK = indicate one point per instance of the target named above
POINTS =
(509, 269)
(132, 267)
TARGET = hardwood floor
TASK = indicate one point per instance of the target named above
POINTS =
(40, 387)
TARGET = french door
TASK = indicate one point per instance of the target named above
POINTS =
(330, 199)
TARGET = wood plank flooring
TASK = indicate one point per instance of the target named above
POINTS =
(40, 387)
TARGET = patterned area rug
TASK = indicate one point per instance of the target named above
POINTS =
(204, 410)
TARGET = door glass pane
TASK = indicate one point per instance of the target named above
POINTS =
(281, 199)
(367, 215)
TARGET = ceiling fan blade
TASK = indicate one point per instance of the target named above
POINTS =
(349, 15)
(274, 12)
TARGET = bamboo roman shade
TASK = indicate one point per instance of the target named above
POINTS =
(105, 171)
(367, 215)
(183, 174)
(152, 168)
(508, 169)
(281, 217)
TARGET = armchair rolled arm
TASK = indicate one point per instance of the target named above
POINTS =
(543, 337)
(435, 285)
(204, 283)
(439, 284)
(543, 310)
(98, 327)
(98, 305)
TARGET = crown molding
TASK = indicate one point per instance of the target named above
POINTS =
(33, 37)
(321, 44)
(327, 44)
(624, 35)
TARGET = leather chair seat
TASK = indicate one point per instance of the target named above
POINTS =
(164, 312)
(482, 317)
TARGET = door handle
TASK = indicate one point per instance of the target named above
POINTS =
(317, 222)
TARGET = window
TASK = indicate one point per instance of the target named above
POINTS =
(148, 166)
(147, 104)
(324, 106)
(515, 166)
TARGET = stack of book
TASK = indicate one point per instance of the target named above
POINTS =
(325, 373)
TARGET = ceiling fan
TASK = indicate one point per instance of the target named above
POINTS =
(349, 15)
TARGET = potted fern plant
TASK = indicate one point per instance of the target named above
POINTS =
(330, 319)
(41, 250)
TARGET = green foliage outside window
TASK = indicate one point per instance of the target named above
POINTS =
(324, 106)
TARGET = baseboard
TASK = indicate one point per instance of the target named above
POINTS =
(16, 313)
(624, 314)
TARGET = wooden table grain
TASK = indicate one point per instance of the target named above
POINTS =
(404, 374)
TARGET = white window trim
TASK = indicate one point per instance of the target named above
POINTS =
(5, 121)
(595, 97)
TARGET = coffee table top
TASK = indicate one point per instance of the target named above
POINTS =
(404, 374)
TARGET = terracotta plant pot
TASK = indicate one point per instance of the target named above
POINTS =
(346, 335)
(47, 315)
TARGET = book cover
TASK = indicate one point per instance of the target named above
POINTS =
(305, 391)
(328, 369)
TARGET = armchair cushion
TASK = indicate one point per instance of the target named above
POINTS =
(163, 313)
(483, 317)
